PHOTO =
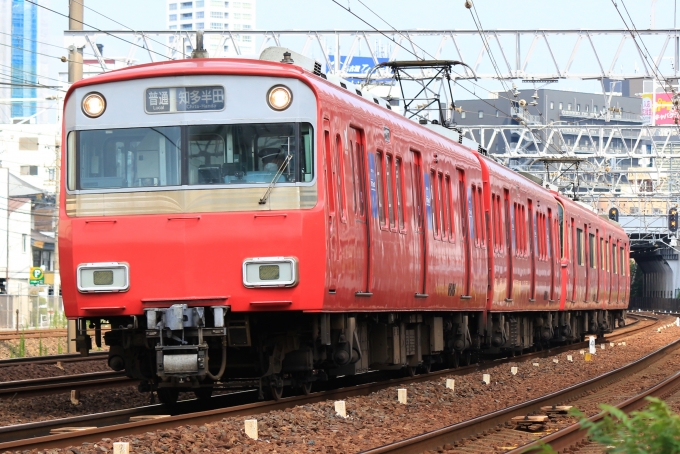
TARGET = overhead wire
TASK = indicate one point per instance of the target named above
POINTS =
(129, 28)
(97, 29)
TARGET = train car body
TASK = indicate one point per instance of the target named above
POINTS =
(373, 242)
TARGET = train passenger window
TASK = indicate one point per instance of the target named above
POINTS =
(602, 254)
(592, 254)
(481, 217)
(622, 255)
(441, 200)
(614, 270)
(515, 231)
(398, 181)
(448, 196)
(607, 255)
(354, 176)
(580, 255)
(329, 172)
(434, 206)
(390, 194)
(560, 217)
(475, 214)
(359, 179)
(340, 178)
(381, 189)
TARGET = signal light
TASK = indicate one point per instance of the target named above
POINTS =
(673, 219)
(614, 214)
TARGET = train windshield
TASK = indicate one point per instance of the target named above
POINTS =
(194, 155)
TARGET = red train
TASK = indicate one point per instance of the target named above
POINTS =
(247, 222)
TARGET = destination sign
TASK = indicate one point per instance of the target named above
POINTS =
(184, 99)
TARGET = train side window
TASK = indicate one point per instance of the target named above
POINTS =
(340, 178)
(602, 254)
(622, 256)
(449, 205)
(329, 172)
(606, 253)
(482, 223)
(475, 212)
(614, 270)
(592, 255)
(417, 187)
(390, 192)
(381, 189)
(399, 181)
(354, 176)
(515, 231)
(360, 178)
(441, 200)
(433, 203)
(524, 231)
(579, 247)
(560, 218)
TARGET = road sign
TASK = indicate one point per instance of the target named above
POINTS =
(37, 276)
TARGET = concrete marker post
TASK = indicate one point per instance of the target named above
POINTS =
(340, 408)
(570, 358)
(401, 396)
(451, 384)
(486, 378)
(121, 447)
(251, 428)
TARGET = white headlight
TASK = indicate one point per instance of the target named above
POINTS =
(103, 277)
(279, 97)
(270, 272)
(94, 105)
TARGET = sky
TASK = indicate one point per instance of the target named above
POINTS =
(400, 14)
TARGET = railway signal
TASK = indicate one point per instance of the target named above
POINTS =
(673, 219)
(614, 214)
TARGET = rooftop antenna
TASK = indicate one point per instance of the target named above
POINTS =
(199, 51)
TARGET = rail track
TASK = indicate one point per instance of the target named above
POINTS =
(116, 424)
(32, 334)
(53, 359)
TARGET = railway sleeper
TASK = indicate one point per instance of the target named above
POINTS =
(189, 348)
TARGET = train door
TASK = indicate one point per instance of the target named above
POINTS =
(532, 250)
(465, 209)
(551, 255)
(586, 263)
(361, 249)
(420, 242)
(509, 243)
(332, 221)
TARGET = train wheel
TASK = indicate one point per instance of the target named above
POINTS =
(454, 360)
(203, 393)
(306, 388)
(410, 371)
(168, 396)
(276, 391)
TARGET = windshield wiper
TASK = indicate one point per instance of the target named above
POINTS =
(277, 175)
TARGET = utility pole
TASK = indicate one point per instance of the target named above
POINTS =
(75, 73)
(75, 56)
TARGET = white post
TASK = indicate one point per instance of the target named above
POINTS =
(401, 395)
(570, 359)
(340, 408)
(591, 345)
(121, 447)
(513, 370)
(251, 428)
(486, 378)
(451, 384)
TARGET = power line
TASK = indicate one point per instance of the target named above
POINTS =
(32, 74)
(43, 54)
(99, 30)
(123, 25)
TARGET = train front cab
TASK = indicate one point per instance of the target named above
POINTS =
(176, 229)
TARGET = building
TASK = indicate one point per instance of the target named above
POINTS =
(21, 98)
(213, 15)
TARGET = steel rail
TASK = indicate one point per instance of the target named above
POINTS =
(14, 437)
(53, 359)
(574, 434)
(63, 383)
(475, 426)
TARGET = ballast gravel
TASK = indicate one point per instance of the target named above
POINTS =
(372, 420)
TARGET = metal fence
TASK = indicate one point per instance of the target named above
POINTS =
(31, 312)
(655, 304)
